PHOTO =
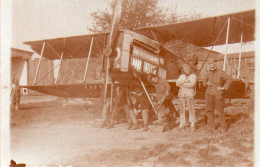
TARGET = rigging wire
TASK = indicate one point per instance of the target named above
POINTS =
(243, 22)
(212, 47)
(48, 73)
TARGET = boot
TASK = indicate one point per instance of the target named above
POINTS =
(104, 124)
(192, 127)
(222, 128)
(181, 126)
(110, 125)
(134, 127)
(129, 126)
(211, 127)
(145, 128)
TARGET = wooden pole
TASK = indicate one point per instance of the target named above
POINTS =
(89, 53)
(106, 78)
(225, 56)
(240, 56)
(37, 70)
(148, 96)
(59, 68)
(111, 99)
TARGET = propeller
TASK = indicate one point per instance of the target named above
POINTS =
(110, 42)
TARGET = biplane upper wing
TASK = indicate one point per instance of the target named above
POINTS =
(72, 47)
(203, 32)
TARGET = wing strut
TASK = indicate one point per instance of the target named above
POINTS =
(89, 54)
(59, 68)
(39, 63)
(240, 55)
(225, 56)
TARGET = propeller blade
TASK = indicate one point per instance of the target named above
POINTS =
(115, 23)
(110, 42)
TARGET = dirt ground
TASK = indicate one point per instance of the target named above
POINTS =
(49, 131)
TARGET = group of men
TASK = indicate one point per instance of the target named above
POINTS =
(137, 101)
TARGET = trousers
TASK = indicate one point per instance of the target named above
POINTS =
(107, 116)
(212, 102)
(190, 103)
(144, 115)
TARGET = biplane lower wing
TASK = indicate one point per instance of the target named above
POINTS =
(237, 89)
(76, 90)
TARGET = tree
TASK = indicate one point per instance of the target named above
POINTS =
(135, 14)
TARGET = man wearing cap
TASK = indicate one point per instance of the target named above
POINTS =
(141, 105)
(15, 94)
(163, 97)
(216, 81)
(187, 83)
(119, 103)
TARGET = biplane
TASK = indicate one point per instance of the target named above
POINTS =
(125, 53)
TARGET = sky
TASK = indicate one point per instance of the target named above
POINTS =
(43, 19)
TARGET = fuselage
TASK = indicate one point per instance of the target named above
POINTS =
(136, 53)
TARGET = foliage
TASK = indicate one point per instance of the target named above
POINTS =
(135, 14)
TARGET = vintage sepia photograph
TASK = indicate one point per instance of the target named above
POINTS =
(129, 83)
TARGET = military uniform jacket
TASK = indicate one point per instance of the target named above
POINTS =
(218, 78)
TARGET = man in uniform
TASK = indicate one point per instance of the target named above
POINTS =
(141, 105)
(15, 94)
(216, 81)
(119, 103)
(165, 106)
